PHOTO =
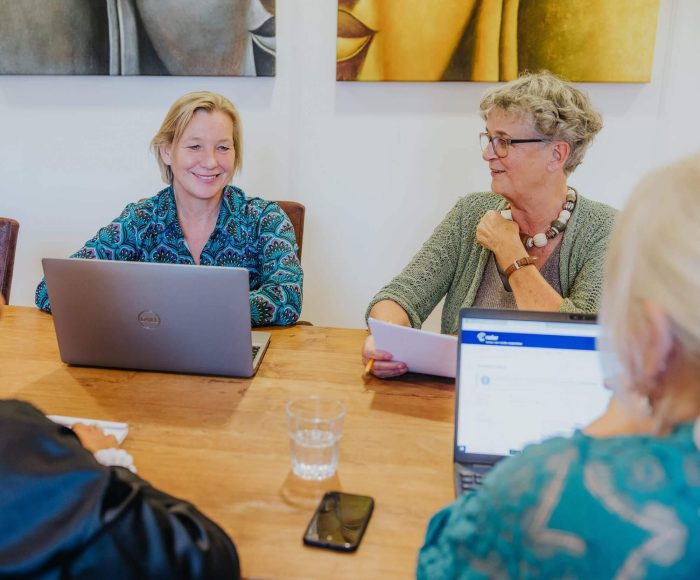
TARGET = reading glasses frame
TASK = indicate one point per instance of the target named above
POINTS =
(501, 145)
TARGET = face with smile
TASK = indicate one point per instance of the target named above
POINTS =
(203, 159)
(526, 168)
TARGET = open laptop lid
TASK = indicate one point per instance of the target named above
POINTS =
(523, 377)
(151, 316)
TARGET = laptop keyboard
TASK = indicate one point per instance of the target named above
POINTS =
(470, 476)
(255, 351)
(470, 481)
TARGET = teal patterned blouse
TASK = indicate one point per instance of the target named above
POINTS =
(250, 233)
(625, 507)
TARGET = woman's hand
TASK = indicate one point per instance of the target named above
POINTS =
(93, 438)
(501, 236)
(384, 367)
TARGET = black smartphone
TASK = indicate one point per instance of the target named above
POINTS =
(339, 522)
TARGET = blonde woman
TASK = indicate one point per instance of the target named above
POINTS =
(533, 242)
(200, 219)
(621, 498)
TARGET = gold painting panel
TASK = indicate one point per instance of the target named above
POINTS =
(495, 40)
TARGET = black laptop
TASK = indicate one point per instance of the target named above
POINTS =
(521, 377)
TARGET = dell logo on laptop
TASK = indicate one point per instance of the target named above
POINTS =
(149, 319)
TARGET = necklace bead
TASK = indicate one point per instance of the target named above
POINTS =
(539, 240)
(556, 227)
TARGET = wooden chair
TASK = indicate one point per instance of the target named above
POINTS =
(8, 244)
(295, 212)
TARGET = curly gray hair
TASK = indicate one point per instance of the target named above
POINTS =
(557, 110)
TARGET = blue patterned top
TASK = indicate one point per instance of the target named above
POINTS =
(625, 507)
(250, 233)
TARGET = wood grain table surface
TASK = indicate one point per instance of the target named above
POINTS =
(222, 443)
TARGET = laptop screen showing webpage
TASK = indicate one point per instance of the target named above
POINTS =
(522, 381)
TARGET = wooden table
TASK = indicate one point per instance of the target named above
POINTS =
(222, 443)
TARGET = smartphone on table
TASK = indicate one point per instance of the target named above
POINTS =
(339, 522)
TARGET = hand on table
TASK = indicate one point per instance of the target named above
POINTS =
(384, 367)
(93, 438)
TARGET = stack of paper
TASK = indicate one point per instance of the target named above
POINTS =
(119, 430)
(423, 352)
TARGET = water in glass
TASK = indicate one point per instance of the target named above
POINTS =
(314, 453)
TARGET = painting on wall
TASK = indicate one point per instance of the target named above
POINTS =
(138, 37)
(495, 40)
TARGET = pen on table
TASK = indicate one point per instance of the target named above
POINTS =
(368, 368)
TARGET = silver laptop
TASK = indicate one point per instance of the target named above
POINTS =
(158, 317)
(521, 377)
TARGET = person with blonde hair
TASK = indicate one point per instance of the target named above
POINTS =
(200, 218)
(620, 498)
(532, 243)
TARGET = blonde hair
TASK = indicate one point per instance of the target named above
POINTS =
(180, 115)
(654, 255)
(557, 110)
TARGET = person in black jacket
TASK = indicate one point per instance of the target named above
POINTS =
(64, 515)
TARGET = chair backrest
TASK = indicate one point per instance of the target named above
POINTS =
(295, 212)
(8, 244)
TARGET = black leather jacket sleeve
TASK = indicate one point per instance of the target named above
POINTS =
(63, 515)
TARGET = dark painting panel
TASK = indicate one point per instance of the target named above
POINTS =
(138, 37)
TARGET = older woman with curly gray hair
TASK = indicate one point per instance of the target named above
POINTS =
(533, 242)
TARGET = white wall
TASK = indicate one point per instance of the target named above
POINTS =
(377, 164)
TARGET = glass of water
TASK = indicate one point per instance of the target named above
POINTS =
(315, 427)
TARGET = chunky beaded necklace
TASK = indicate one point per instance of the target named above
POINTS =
(556, 227)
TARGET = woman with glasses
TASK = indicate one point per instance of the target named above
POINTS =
(619, 499)
(532, 243)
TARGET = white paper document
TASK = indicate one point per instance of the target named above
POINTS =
(424, 352)
(119, 430)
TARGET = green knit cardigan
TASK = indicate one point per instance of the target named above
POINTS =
(451, 263)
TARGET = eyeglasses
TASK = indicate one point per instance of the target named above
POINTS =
(501, 145)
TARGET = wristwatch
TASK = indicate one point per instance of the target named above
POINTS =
(520, 263)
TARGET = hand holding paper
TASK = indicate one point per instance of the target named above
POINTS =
(424, 352)
(380, 363)
(119, 430)
(93, 438)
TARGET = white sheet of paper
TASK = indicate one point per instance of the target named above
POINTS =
(119, 430)
(424, 352)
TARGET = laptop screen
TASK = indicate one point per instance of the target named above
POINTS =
(523, 379)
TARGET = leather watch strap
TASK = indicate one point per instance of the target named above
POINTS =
(521, 263)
